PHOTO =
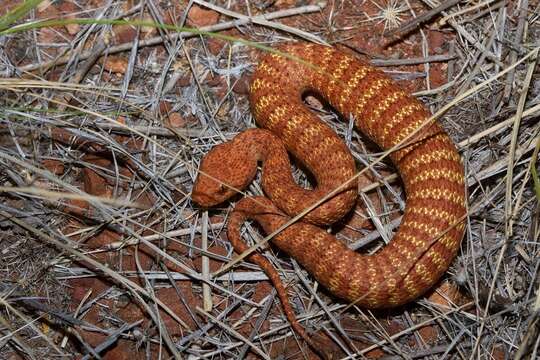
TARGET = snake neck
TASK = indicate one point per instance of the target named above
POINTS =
(259, 145)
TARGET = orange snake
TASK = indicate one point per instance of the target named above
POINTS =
(431, 229)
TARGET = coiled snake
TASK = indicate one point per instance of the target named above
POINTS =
(431, 229)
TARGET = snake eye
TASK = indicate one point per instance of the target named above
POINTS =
(222, 188)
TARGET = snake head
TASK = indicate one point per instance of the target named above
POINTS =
(227, 169)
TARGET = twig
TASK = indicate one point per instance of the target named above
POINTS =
(158, 236)
(424, 17)
(260, 320)
(112, 338)
(204, 329)
(466, 10)
(326, 309)
(522, 18)
(411, 61)
(478, 62)
(264, 22)
(94, 55)
(375, 234)
(207, 295)
(234, 333)
(148, 130)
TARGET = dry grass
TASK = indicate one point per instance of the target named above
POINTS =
(490, 104)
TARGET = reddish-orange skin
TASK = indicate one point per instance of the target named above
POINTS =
(431, 230)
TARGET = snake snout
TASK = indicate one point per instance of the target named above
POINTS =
(203, 199)
(208, 192)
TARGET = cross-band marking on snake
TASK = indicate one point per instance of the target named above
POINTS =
(427, 239)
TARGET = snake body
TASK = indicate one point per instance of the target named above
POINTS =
(431, 229)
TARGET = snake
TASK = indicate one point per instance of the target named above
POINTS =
(432, 227)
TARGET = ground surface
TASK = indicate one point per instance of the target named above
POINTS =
(124, 113)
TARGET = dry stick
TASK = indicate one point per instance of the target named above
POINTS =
(163, 330)
(519, 195)
(456, 339)
(424, 354)
(53, 62)
(513, 53)
(477, 137)
(443, 21)
(207, 295)
(375, 324)
(158, 236)
(424, 17)
(204, 329)
(149, 130)
(159, 39)
(375, 234)
(534, 323)
(233, 332)
(325, 308)
(135, 289)
(411, 61)
(179, 292)
(260, 320)
(425, 49)
(481, 14)
(479, 62)
(112, 338)
(206, 100)
(55, 195)
(508, 197)
(343, 186)
(497, 166)
(528, 339)
(263, 22)
(76, 314)
(95, 54)
(241, 276)
(451, 63)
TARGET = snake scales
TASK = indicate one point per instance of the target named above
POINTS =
(430, 167)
